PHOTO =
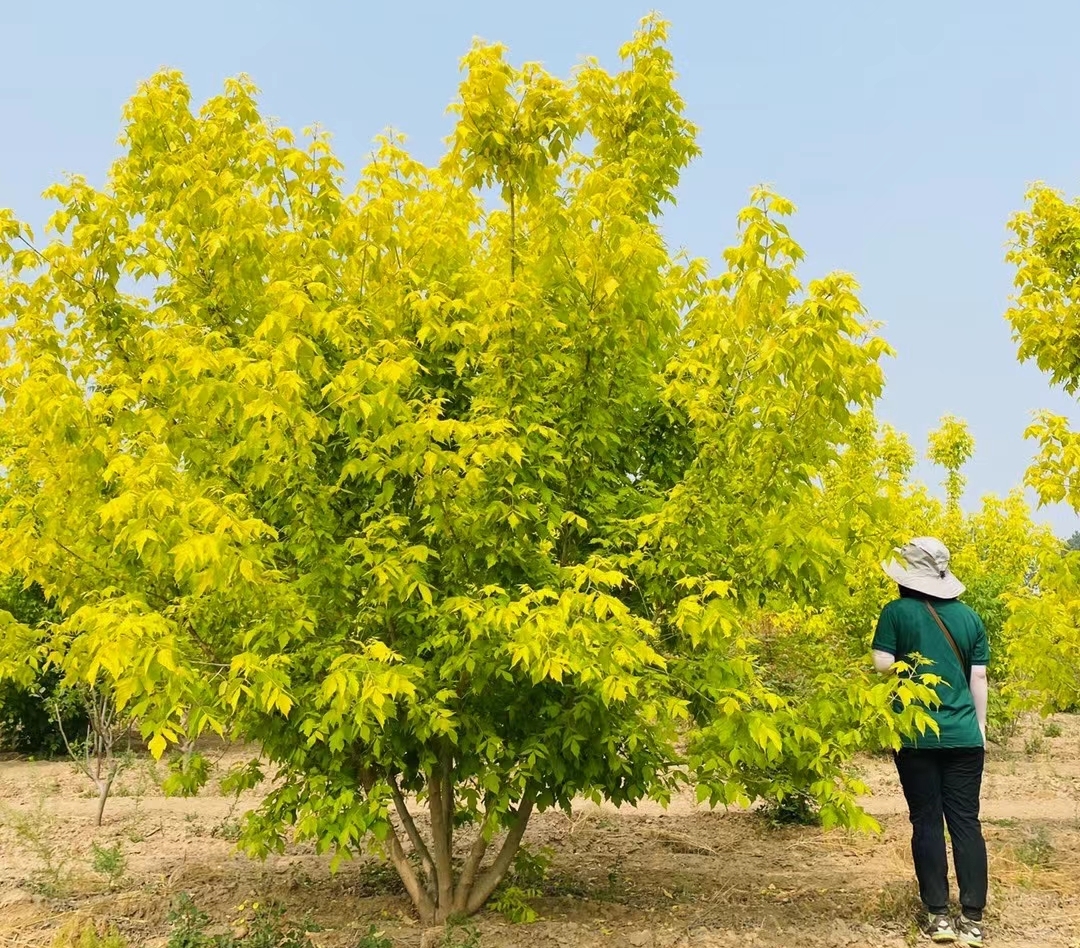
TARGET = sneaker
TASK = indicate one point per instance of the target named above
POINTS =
(969, 932)
(939, 929)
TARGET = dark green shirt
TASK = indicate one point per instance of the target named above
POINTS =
(906, 627)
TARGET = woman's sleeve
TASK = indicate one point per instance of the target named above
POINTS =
(885, 633)
(980, 652)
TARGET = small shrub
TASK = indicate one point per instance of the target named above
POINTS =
(37, 833)
(28, 716)
(109, 861)
(187, 924)
(1052, 729)
(1033, 745)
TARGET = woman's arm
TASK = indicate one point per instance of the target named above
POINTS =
(980, 687)
(883, 661)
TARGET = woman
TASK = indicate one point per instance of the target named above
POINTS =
(941, 774)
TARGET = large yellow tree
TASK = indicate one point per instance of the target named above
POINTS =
(458, 486)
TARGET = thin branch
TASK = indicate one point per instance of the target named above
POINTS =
(67, 744)
(410, 828)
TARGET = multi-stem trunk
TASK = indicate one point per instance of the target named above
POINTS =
(444, 889)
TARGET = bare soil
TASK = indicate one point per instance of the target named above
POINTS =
(645, 877)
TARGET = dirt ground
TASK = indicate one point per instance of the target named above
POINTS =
(643, 877)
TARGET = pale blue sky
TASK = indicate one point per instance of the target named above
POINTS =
(905, 133)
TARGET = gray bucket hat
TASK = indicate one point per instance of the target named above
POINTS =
(923, 565)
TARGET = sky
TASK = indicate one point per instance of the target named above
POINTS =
(906, 134)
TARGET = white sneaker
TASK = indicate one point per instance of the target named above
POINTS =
(939, 929)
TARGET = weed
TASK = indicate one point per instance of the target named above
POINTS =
(512, 903)
(1033, 745)
(795, 809)
(266, 927)
(531, 869)
(228, 829)
(1036, 850)
(229, 826)
(258, 926)
(89, 935)
(1052, 729)
(109, 862)
(900, 909)
(461, 934)
(378, 878)
(187, 924)
(37, 832)
(146, 778)
(524, 882)
(374, 939)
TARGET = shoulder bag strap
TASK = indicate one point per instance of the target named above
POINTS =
(952, 641)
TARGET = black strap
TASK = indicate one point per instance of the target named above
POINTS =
(952, 641)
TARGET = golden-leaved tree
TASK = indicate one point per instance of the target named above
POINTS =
(998, 550)
(1045, 318)
(455, 489)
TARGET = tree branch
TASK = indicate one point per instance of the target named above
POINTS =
(67, 744)
(410, 828)
(490, 880)
(472, 865)
(420, 898)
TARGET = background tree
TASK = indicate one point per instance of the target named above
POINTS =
(997, 549)
(951, 447)
(31, 705)
(457, 490)
(1043, 316)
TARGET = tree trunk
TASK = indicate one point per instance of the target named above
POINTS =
(441, 807)
(104, 788)
(449, 893)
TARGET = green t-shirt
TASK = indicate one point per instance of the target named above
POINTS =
(906, 627)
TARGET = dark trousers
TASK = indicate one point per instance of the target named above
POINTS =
(945, 784)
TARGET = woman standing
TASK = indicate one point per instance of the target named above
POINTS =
(941, 774)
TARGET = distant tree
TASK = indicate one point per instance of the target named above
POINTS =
(36, 709)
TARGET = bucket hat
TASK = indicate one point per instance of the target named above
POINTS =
(923, 565)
